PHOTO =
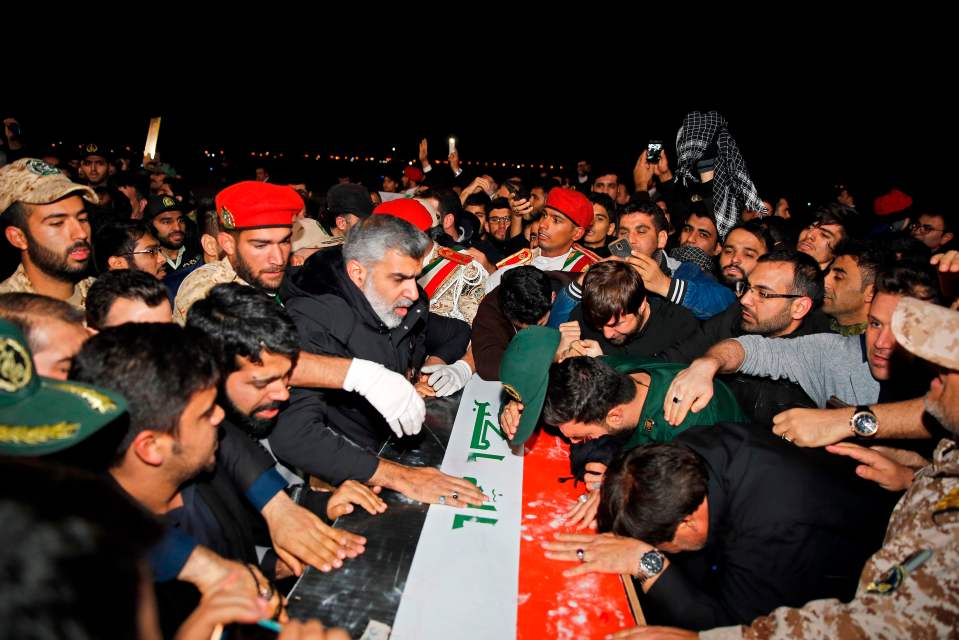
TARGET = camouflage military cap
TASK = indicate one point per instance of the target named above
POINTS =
(928, 330)
(308, 234)
(34, 181)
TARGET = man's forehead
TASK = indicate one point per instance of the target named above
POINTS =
(742, 238)
(270, 364)
(268, 234)
(701, 222)
(883, 306)
(637, 218)
(771, 274)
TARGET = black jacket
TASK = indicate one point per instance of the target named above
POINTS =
(335, 434)
(786, 525)
(669, 325)
(760, 398)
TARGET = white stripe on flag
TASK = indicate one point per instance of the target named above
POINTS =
(465, 574)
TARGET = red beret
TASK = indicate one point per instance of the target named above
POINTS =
(413, 173)
(892, 202)
(251, 204)
(407, 209)
(571, 204)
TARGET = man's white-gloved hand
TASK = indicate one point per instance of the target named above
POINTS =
(447, 379)
(390, 393)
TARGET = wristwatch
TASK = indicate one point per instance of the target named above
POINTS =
(864, 422)
(650, 564)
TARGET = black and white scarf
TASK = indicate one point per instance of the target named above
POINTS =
(733, 190)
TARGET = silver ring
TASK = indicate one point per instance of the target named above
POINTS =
(787, 438)
(584, 497)
(442, 499)
(456, 496)
(581, 555)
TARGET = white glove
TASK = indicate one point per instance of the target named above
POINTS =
(389, 393)
(447, 379)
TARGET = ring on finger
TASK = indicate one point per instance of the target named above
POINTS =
(581, 555)
(584, 497)
(442, 500)
(456, 496)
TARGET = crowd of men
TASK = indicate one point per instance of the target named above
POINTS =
(763, 406)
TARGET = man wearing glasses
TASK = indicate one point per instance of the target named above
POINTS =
(933, 230)
(128, 244)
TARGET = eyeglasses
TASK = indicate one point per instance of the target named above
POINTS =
(924, 228)
(498, 220)
(742, 288)
(153, 251)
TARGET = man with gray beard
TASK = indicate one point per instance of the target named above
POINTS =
(362, 301)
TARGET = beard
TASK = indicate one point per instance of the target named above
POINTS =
(246, 273)
(768, 326)
(385, 310)
(731, 279)
(166, 243)
(58, 265)
(249, 423)
(937, 410)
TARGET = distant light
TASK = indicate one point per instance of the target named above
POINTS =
(394, 149)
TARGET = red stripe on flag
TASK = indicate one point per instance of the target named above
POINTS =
(550, 605)
(439, 278)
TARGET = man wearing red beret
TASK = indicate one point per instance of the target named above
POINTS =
(256, 230)
(566, 217)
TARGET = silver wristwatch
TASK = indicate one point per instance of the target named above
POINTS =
(650, 564)
(864, 422)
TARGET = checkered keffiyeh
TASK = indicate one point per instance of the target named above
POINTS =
(733, 190)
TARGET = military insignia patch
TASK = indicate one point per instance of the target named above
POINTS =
(168, 201)
(41, 168)
(512, 392)
(648, 425)
(16, 370)
(890, 581)
(227, 218)
(949, 504)
(91, 148)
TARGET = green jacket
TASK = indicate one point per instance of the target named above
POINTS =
(652, 426)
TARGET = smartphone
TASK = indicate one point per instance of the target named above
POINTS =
(512, 188)
(653, 151)
(620, 248)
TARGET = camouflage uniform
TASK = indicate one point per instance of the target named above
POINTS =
(926, 602)
(196, 285)
(20, 283)
(921, 601)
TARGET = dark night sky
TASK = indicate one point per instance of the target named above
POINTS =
(800, 131)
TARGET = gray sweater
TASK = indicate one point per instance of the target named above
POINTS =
(823, 364)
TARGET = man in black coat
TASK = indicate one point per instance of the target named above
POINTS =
(362, 301)
(727, 523)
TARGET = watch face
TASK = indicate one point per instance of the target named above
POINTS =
(652, 562)
(865, 424)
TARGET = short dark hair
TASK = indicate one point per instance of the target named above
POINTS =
(583, 389)
(838, 214)
(16, 216)
(117, 238)
(28, 310)
(498, 203)
(157, 367)
(525, 295)
(138, 181)
(758, 230)
(650, 490)
(603, 200)
(243, 321)
(910, 279)
(479, 199)
(651, 209)
(65, 535)
(122, 283)
(611, 289)
(869, 256)
(808, 278)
